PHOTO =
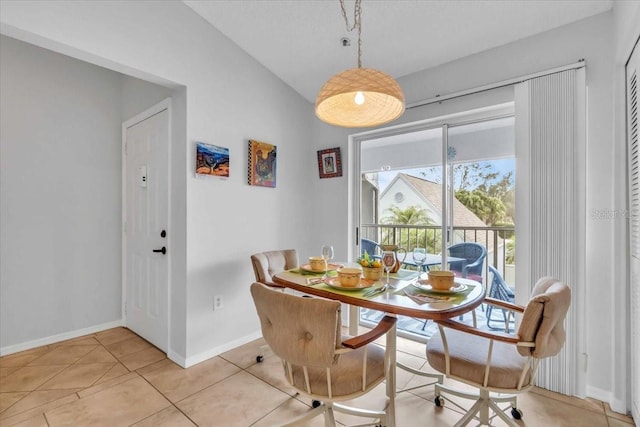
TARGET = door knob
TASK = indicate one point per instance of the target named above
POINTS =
(163, 250)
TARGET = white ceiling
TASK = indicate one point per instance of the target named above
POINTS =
(299, 40)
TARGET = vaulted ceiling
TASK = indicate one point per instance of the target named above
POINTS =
(299, 40)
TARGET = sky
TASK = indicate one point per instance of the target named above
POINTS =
(503, 166)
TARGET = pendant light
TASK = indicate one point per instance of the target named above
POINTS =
(359, 97)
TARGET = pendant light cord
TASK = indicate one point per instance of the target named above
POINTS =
(357, 25)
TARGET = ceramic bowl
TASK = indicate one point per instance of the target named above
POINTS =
(317, 263)
(372, 273)
(349, 277)
(441, 280)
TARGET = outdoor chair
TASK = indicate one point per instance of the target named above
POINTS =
(472, 268)
(474, 254)
(372, 248)
(498, 363)
(498, 289)
(318, 362)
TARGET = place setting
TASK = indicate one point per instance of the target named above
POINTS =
(439, 286)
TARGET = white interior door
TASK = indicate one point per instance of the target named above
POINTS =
(146, 237)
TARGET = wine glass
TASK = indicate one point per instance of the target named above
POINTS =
(388, 262)
(327, 255)
(419, 258)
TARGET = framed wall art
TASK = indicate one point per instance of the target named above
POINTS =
(329, 163)
(212, 160)
(262, 164)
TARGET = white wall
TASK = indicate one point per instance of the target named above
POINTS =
(591, 39)
(60, 207)
(229, 99)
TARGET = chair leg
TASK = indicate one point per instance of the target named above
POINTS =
(329, 418)
(484, 401)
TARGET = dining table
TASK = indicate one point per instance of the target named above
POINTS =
(430, 260)
(405, 295)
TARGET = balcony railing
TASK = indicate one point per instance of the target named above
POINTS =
(497, 240)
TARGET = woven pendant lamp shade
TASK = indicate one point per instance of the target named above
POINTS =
(383, 99)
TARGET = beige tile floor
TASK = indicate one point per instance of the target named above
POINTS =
(115, 378)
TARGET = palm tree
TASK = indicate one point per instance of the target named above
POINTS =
(411, 238)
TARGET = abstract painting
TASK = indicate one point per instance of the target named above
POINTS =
(262, 164)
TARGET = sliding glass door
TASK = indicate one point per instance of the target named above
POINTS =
(447, 186)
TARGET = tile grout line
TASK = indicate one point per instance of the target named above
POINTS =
(169, 400)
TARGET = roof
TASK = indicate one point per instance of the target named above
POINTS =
(432, 192)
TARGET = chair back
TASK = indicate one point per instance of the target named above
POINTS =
(474, 253)
(301, 331)
(368, 245)
(499, 288)
(543, 318)
(266, 264)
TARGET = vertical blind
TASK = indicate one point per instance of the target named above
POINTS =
(633, 151)
(554, 188)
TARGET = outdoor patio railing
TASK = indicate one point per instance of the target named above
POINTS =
(498, 240)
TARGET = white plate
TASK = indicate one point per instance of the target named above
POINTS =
(426, 286)
(335, 283)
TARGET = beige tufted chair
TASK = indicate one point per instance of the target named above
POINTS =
(500, 362)
(306, 333)
(266, 264)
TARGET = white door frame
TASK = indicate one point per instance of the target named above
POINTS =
(157, 108)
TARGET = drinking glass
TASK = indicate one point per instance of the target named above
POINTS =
(327, 255)
(388, 262)
(419, 258)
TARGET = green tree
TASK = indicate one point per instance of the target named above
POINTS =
(409, 239)
(482, 189)
(489, 209)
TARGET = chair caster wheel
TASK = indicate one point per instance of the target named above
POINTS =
(439, 401)
(259, 359)
(516, 413)
(315, 403)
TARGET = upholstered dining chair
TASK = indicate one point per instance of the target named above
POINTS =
(498, 362)
(266, 264)
(306, 334)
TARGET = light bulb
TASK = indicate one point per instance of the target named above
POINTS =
(359, 99)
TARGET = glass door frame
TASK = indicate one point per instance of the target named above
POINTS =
(355, 142)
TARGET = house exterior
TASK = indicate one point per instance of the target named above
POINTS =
(60, 165)
(406, 190)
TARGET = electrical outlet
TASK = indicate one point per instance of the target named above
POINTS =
(217, 302)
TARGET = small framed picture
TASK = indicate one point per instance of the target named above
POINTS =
(329, 163)
(262, 164)
(212, 160)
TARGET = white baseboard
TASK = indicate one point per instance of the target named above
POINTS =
(177, 358)
(598, 393)
(10, 349)
(606, 396)
(193, 360)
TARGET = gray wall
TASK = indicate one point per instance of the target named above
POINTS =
(60, 172)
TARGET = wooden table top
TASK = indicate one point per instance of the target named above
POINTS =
(393, 300)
